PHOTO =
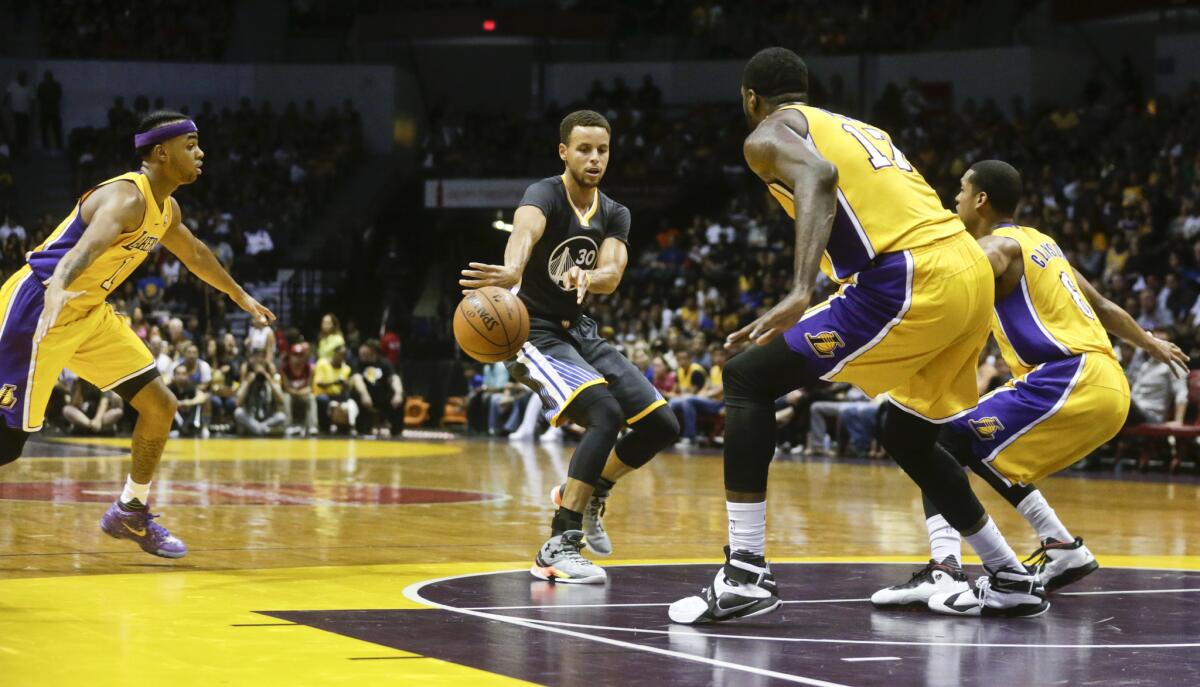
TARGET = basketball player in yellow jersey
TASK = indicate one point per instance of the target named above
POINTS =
(53, 313)
(910, 320)
(1068, 398)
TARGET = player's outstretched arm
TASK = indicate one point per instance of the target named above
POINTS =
(606, 277)
(197, 257)
(529, 223)
(778, 152)
(119, 208)
(1121, 324)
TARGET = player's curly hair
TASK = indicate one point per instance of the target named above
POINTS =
(581, 118)
(776, 74)
(1001, 182)
(153, 120)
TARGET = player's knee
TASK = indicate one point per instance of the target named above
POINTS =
(597, 409)
(650, 435)
(736, 376)
(661, 427)
(155, 402)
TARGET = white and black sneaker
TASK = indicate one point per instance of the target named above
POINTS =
(559, 560)
(946, 577)
(743, 587)
(1001, 594)
(1059, 563)
(593, 521)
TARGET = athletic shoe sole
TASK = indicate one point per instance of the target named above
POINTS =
(705, 618)
(1022, 611)
(157, 552)
(553, 576)
(1071, 576)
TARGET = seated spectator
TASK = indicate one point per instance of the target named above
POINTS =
(260, 404)
(336, 411)
(199, 370)
(1156, 394)
(506, 408)
(330, 337)
(91, 411)
(190, 417)
(851, 400)
(260, 338)
(226, 377)
(380, 392)
(709, 400)
(495, 380)
(300, 404)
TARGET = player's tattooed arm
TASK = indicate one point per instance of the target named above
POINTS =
(529, 223)
(778, 152)
(1121, 324)
(114, 209)
(200, 261)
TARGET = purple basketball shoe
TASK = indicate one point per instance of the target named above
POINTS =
(139, 526)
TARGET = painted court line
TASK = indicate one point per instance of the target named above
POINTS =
(413, 593)
(553, 607)
(874, 642)
(1131, 591)
(872, 658)
(558, 606)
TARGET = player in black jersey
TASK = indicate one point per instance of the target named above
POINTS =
(569, 239)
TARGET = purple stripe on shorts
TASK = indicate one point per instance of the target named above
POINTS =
(16, 346)
(855, 318)
(845, 247)
(44, 261)
(1029, 339)
(1001, 417)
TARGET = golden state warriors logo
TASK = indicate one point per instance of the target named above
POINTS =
(577, 251)
(824, 344)
(986, 428)
(8, 396)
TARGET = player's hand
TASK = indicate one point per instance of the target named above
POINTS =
(257, 310)
(579, 279)
(776, 321)
(1166, 352)
(52, 304)
(478, 275)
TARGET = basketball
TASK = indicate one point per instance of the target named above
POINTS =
(491, 324)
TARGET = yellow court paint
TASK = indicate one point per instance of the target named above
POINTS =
(209, 450)
(177, 628)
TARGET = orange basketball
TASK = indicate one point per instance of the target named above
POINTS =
(491, 324)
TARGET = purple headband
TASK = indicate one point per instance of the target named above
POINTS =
(163, 133)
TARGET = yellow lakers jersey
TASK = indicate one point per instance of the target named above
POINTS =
(884, 205)
(118, 261)
(1047, 317)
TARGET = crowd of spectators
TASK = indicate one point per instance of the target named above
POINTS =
(271, 382)
(168, 30)
(711, 30)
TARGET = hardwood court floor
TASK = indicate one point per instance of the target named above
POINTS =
(288, 537)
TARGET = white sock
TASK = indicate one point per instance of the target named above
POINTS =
(1043, 518)
(133, 490)
(748, 527)
(995, 553)
(944, 540)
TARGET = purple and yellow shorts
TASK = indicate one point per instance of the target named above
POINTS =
(912, 325)
(95, 344)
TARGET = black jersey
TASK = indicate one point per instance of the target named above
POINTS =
(570, 239)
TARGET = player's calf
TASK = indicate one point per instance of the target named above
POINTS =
(12, 443)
